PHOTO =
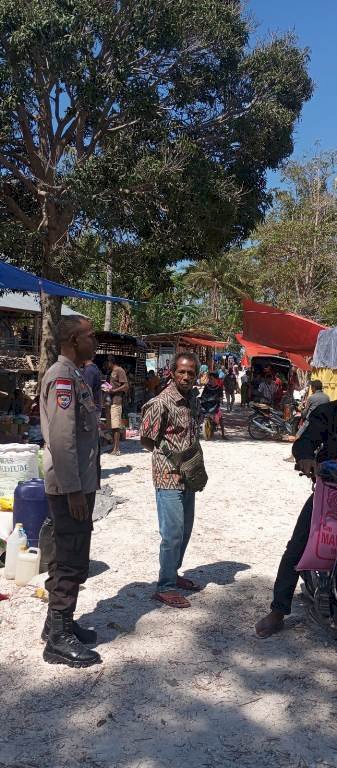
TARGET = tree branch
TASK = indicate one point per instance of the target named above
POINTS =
(19, 214)
(46, 118)
(66, 138)
(35, 161)
(30, 186)
(80, 134)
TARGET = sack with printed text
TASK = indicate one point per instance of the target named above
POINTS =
(321, 549)
(17, 462)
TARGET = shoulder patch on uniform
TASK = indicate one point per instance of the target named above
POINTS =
(64, 393)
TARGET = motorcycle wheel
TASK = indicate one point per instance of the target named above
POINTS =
(310, 579)
(207, 429)
(256, 432)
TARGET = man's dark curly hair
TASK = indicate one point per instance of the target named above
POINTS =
(187, 356)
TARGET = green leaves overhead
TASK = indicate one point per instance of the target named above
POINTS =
(294, 251)
(152, 122)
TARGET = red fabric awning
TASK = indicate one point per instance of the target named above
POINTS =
(253, 349)
(205, 342)
(277, 329)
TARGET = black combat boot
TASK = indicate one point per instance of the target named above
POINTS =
(86, 636)
(63, 647)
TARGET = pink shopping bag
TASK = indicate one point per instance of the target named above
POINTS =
(321, 550)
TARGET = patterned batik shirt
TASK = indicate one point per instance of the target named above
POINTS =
(172, 418)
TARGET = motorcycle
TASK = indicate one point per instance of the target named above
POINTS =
(320, 587)
(210, 420)
(266, 422)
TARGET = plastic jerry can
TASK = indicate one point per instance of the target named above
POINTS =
(31, 507)
(15, 541)
(27, 565)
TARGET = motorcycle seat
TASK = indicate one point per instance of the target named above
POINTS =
(262, 407)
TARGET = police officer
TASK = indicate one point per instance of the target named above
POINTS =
(69, 428)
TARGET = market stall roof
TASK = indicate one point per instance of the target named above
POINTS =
(272, 327)
(104, 338)
(201, 342)
(192, 336)
(29, 303)
(253, 350)
(15, 279)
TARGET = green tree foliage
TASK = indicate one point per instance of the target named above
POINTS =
(149, 120)
(294, 253)
(220, 280)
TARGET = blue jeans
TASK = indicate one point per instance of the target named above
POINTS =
(176, 516)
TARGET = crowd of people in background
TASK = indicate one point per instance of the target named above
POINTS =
(221, 384)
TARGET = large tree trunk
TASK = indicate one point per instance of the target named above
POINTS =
(51, 314)
(57, 226)
(108, 306)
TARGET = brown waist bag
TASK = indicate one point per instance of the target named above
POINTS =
(189, 464)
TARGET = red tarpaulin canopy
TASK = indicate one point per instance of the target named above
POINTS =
(253, 349)
(276, 329)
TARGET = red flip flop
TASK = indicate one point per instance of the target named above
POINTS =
(188, 584)
(172, 599)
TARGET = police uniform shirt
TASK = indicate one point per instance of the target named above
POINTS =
(69, 428)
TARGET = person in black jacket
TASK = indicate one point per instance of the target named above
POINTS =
(317, 443)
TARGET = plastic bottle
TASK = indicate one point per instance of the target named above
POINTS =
(16, 540)
(27, 565)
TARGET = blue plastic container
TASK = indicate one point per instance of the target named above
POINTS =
(30, 508)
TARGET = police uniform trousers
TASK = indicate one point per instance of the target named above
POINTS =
(69, 565)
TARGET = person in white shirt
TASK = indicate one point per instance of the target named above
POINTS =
(267, 390)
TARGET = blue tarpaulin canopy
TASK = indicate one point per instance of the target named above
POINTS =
(15, 279)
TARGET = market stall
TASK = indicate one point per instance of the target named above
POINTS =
(163, 346)
(131, 355)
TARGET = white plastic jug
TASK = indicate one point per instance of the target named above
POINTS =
(15, 541)
(27, 565)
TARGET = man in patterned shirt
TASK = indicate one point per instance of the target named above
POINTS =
(173, 418)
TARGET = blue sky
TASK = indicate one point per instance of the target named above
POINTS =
(315, 24)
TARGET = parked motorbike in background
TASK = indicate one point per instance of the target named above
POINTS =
(267, 423)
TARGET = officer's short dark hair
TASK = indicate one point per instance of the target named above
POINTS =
(191, 356)
(69, 326)
(316, 384)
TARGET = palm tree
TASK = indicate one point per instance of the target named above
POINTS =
(218, 278)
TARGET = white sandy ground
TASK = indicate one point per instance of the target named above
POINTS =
(187, 689)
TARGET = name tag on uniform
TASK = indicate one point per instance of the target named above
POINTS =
(64, 393)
